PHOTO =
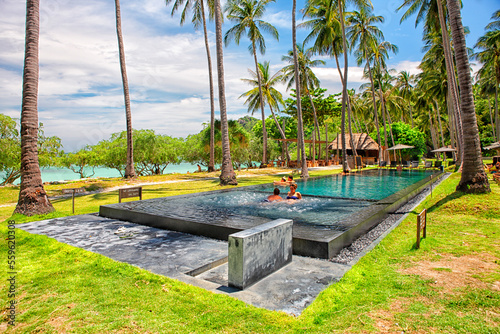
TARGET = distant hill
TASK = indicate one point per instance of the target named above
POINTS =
(248, 122)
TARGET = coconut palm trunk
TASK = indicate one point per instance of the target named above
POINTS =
(211, 162)
(32, 199)
(452, 82)
(345, 167)
(227, 176)
(129, 168)
(263, 115)
(474, 178)
(375, 111)
(301, 143)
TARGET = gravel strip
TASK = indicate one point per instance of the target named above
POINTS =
(348, 254)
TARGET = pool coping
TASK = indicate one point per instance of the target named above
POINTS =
(308, 240)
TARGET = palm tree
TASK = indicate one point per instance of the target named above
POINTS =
(308, 80)
(489, 55)
(33, 199)
(227, 175)
(300, 126)
(404, 84)
(433, 12)
(474, 179)
(129, 168)
(271, 95)
(366, 35)
(197, 20)
(247, 14)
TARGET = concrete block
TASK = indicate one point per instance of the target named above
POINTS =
(259, 251)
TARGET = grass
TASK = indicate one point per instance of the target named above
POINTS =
(451, 284)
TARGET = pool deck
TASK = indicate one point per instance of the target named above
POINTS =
(308, 240)
(179, 255)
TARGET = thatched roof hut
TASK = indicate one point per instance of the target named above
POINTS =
(364, 144)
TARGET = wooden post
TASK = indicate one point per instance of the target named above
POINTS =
(421, 225)
(72, 191)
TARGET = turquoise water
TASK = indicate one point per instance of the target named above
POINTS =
(64, 174)
(327, 201)
(374, 184)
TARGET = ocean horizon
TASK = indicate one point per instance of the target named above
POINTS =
(53, 174)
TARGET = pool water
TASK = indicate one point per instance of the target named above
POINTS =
(327, 201)
(374, 184)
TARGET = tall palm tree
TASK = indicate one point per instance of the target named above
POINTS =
(197, 20)
(32, 199)
(474, 179)
(366, 36)
(129, 167)
(308, 80)
(300, 126)
(271, 95)
(227, 175)
(247, 14)
(404, 84)
(489, 56)
(435, 20)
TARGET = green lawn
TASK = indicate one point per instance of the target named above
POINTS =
(451, 284)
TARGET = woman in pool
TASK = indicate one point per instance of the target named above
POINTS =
(293, 194)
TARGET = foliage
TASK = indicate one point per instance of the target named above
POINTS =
(79, 162)
(326, 107)
(49, 149)
(406, 135)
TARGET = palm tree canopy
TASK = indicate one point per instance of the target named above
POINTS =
(196, 6)
(363, 32)
(308, 79)
(270, 94)
(246, 14)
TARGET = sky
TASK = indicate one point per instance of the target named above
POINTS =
(80, 89)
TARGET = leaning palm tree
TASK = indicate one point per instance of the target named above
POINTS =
(474, 179)
(227, 175)
(271, 95)
(129, 168)
(247, 14)
(33, 199)
(197, 20)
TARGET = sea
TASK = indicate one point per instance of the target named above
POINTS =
(52, 174)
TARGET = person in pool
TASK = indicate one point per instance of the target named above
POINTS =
(293, 194)
(275, 196)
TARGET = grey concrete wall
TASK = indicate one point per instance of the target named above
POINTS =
(258, 252)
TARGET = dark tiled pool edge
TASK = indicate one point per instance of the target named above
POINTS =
(308, 240)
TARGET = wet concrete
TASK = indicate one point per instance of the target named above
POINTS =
(176, 254)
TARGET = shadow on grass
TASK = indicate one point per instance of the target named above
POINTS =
(453, 196)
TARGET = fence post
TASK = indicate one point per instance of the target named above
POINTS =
(421, 225)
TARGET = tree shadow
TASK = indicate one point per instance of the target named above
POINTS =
(450, 197)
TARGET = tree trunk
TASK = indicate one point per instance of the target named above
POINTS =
(497, 121)
(491, 120)
(227, 176)
(375, 112)
(474, 179)
(327, 157)
(282, 132)
(345, 167)
(263, 115)
(32, 199)
(211, 163)
(452, 82)
(129, 168)
(301, 144)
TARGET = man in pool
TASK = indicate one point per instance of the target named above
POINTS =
(293, 194)
(275, 196)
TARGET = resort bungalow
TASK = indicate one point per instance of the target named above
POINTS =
(365, 146)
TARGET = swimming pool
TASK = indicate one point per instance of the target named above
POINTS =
(333, 212)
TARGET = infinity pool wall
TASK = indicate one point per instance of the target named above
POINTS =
(322, 225)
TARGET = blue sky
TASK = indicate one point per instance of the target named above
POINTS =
(80, 92)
